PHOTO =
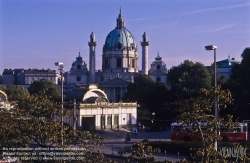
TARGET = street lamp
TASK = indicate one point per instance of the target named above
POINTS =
(60, 64)
(213, 47)
(153, 114)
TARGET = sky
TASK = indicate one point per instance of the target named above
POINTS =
(38, 33)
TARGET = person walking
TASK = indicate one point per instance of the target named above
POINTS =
(127, 137)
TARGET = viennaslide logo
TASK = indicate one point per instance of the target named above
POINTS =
(233, 152)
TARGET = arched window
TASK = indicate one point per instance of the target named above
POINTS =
(78, 67)
(118, 62)
(158, 79)
(158, 67)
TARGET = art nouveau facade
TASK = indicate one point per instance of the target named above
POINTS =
(94, 111)
(4, 101)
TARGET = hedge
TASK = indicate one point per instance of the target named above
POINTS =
(184, 147)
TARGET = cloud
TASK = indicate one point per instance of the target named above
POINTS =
(215, 9)
(220, 28)
(196, 11)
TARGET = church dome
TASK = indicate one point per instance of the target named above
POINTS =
(120, 37)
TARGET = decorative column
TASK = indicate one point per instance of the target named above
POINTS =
(144, 45)
(92, 43)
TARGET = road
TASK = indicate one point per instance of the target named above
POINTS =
(115, 143)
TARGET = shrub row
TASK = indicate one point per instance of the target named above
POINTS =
(183, 148)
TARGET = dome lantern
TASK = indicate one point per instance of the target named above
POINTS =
(120, 20)
(120, 37)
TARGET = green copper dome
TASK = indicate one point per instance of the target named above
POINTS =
(120, 37)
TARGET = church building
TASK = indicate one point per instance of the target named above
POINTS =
(119, 63)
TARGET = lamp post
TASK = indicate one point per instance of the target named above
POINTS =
(75, 118)
(60, 64)
(213, 47)
(153, 114)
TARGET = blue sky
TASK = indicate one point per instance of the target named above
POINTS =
(37, 33)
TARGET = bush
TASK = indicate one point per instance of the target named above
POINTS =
(185, 148)
(145, 140)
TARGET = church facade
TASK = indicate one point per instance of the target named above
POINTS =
(119, 63)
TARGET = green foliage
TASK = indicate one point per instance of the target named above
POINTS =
(188, 78)
(143, 152)
(31, 120)
(148, 94)
(197, 111)
(240, 87)
(13, 91)
(47, 88)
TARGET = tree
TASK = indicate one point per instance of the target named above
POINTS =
(148, 94)
(240, 87)
(14, 91)
(188, 78)
(143, 152)
(31, 119)
(198, 111)
(46, 87)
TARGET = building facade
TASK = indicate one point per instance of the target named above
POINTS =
(119, 63)
(225, 67)
(158, 70)
(27, 77)
(95, 111)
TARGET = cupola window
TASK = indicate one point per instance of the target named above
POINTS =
(119, 46)
(158, 79)
(78, 66)
(158, 67)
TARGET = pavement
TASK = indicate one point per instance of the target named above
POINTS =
(115, 142)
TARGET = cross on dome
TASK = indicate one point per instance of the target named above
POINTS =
(158, 58)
